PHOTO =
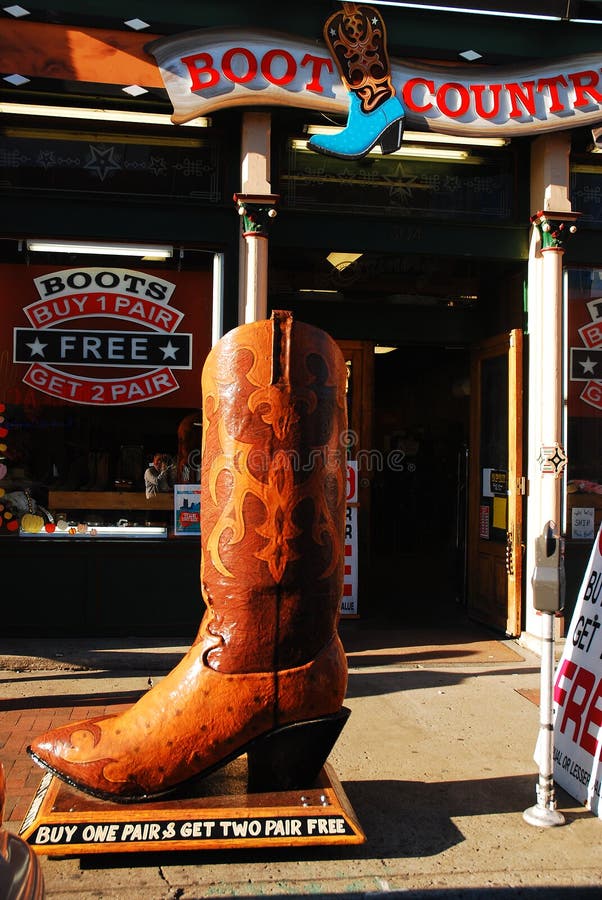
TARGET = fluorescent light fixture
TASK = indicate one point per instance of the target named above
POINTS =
(317, 291)
(460, 9)
(431, 137)
(340, 261)
(106, 115)
(155, 251)
(382, 348)
(408, 151)
(425, 137)
(425, 152)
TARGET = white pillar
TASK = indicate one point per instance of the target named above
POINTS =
(550, 196)
(256, 205)
(551, 396)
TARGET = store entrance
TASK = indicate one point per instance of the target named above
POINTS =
(421, 429)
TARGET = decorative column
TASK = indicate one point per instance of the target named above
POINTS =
(549, 194)
(553, 228)
(256, 206)
(255, 212)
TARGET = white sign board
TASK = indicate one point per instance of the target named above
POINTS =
(349, 598)
(578, 694)
(582, 523)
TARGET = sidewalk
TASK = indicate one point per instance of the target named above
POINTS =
(436, 760)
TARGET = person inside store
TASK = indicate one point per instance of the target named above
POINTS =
(159, 476)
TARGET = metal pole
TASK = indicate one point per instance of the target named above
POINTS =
(544, 814)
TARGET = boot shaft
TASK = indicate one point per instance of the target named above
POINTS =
(272, 494)
(357, 39)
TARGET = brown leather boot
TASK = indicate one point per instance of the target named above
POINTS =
(267, 672)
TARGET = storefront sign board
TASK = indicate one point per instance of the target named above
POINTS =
(578, 694)
(208, 70)
(62, 820)
(349, 601)
(105, 336)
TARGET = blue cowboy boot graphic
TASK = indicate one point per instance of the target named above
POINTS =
(358, 42)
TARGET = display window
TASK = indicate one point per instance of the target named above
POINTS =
(584, 403)
(100, 368)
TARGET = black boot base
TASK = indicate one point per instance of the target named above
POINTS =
(291, 757)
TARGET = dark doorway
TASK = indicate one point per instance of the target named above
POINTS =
(421, 427)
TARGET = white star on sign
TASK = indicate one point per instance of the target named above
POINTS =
(588, 366)
(169, 351)
(37, 348)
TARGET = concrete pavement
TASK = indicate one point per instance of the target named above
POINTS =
(436, 760)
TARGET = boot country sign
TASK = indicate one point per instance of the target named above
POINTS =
(214, 69)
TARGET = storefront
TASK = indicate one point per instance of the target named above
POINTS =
(459, 271)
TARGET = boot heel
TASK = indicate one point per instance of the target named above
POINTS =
(290, 758)
(390, 139)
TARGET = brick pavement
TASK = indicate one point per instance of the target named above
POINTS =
(22, 719)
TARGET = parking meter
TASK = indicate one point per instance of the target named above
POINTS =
(548, 576)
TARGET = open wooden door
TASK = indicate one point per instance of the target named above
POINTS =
(496, 484)
(359, 357)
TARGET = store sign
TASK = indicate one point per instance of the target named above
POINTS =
(586, 360)
(147, 340)
(208, 70)
(349, 601)
(578, 694)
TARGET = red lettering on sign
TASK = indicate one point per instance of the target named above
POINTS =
(589, 741)
(574, 708)
(521, 93)
(567, 670)
(109, 392)
(44, 313)
(592, 394)
(317, 64)
(494, 90)
(462, 95)
(266, 67)
(551, 83)
(251, 65)
(585, 85)
(581, 704)
(198, 65)
(591, 334)
(408, 98)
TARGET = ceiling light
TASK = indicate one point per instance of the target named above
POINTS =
(470, 55)
(108, 115)
(156, 251)
(16, 79)
(425, 137)
(340, 261)
(16, 11)
(432, 7)
(426, 153)
(137, 24)
(406, 151)
(382, 348)
(134, 90)
(430, 137)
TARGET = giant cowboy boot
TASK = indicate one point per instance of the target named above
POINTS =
(267, 672)
(357, 39)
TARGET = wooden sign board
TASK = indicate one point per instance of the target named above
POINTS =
(63, 821)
